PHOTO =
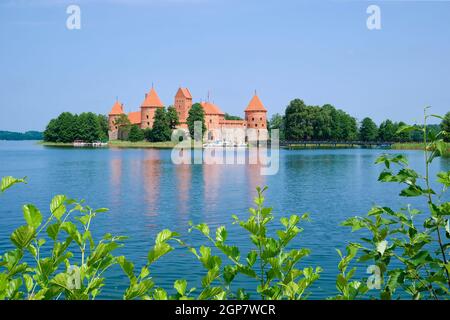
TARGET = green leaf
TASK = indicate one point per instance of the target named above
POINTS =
(251, 257)
(165, 235)
(72, 231)
(8, 182)
(221, 234)
(159, 250)
(444, 178)
(144, 272)
(180, 286)
(57, 207)
(127, 266)
(22, 236)
(32, 215)
(420, 258)
(28, 280)
(406, 128)
(61, 280)
(53, 229)
(411, 191)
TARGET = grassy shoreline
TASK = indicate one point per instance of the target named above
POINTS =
(141, 144)
(416, 146)
(170, 145)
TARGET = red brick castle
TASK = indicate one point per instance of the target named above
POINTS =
(255, 114)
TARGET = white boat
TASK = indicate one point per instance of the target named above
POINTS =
(96, 144)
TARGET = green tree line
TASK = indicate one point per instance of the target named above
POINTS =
(326, 123)
(29, 135)
(68, 127)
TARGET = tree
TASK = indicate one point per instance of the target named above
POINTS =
(321, 123)
(62, 129)
(368, 130)
(104, 127)
(196, 113)
(230, 117)
(298, 121)
(387, 131)
(277, 122)
(172, 117)
(350, 127)
(51, 131)
(445, 125)
(88, 127)
(136, 134)
(161, 130)
(123, 125)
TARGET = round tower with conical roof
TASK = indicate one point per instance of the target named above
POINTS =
(115, 113)
(256, 116)
(148, 109)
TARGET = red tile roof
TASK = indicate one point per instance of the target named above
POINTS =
(117, 109)
(135, 117)
(152, 100)
(255, 105)
(211, 108)
(184, 92)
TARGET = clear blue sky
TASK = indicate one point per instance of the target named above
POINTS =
(319, 51)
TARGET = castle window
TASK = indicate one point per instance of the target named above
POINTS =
(148, 123)
(262, 125)
(260, 118)
(253, 119)
(256, 125)
(147, 116)
(210, 120)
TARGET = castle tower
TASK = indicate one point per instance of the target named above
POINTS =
(256, 117)
(183, 103)
(148, 108)
(116, 111)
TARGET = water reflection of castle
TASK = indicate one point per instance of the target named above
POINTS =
(255, 114)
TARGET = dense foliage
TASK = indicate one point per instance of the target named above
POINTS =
(172, 117)
(29, 135)
(196, 113)
(68, 127)
(136, 134)
(231, 117)
(277, 122)
(302, 122)
(161, 130)
(368, 130)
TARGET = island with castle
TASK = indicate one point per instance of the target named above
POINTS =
(255, 115)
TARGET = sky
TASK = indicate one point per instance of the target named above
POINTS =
(318, 51)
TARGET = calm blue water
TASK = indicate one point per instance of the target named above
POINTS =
(147, 193)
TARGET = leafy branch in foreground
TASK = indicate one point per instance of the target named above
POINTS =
(57, 276)
(418, 248)
(270, 263)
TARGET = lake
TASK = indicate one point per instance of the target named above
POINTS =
(146, 193)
